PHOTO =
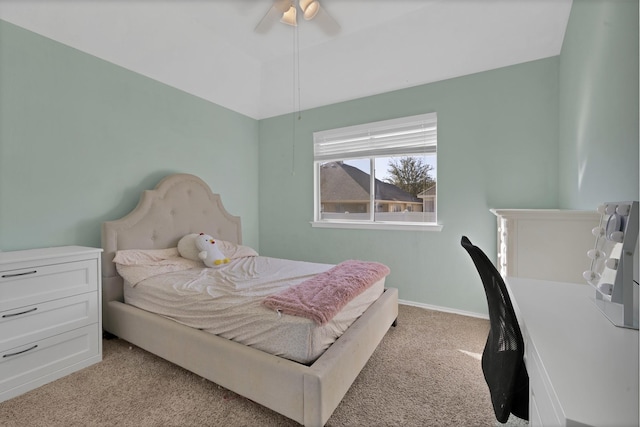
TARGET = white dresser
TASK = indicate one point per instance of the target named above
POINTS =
(583, 370)
(50, 315)
(547, 244)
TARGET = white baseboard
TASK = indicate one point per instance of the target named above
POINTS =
(444, 309)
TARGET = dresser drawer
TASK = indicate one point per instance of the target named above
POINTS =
(31, 323)
(28, 366)
(27, 286)
(543, 402)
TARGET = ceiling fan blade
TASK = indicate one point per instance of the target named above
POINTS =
(283, 5)
(326, 22)
(266, 23)
(273, 15)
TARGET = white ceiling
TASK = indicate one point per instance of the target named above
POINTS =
(209, 48)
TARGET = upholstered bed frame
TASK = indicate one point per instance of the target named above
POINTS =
(182, 204)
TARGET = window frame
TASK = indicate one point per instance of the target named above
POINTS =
(324, 151)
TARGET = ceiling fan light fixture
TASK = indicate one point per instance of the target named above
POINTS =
(309, 8)
(289, 17)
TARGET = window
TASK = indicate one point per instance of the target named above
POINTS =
(377, 175)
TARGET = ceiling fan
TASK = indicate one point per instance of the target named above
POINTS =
(286, 12)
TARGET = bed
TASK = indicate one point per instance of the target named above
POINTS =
(307, 393)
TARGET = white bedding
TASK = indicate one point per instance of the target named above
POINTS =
(227, 301)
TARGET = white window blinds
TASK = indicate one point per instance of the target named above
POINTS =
(404, 136)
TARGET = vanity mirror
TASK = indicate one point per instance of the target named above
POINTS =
(614, 263)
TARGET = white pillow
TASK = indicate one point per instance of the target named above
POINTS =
(233, 251)
(135, 265)
(144, 256)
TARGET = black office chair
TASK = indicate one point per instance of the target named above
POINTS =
(502, 358)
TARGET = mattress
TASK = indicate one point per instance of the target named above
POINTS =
(227, 302)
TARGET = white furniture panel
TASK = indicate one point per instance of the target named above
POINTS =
(548, 244)
(29, 366)
(45, 282)
(583, 370)
(39, 321)
(50, 315)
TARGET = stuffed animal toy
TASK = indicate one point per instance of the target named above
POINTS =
(209, 252)
(187, 247)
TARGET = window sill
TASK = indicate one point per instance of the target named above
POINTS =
(365, 225)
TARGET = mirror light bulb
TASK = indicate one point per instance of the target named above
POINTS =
(605, 288)
(623, 210)
(595, 254)
(612, 263)
(617, 236)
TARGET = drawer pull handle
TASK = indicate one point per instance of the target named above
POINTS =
(18, 314)
(5, 276)
(20, 352)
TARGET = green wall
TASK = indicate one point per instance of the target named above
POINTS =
(80, 139)
(497, 148)
(598, 147)
(556, 133)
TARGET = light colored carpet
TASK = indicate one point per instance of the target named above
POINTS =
(426, 372)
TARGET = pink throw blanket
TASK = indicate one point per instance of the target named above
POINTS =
(324, 295)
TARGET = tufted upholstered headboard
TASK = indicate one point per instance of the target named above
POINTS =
(180, 204)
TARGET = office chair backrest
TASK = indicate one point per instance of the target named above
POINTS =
(502, 358)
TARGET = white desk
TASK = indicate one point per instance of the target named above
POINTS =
(582, 369)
